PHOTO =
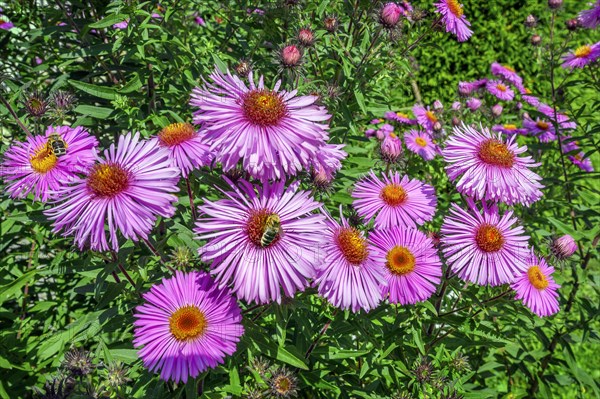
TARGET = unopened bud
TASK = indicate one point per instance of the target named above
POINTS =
(554, 4)
(455, 121)
(306, 37)
(437, 126)
(290, 56)
(530, 21)
(564, 247)
(331, 23)
(391, 148)
(437, 105)
(497, 110)
(572, 24)
(390, 14)
(536, 40)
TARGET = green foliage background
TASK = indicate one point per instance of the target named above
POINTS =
(53, 298)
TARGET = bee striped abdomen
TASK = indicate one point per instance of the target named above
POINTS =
(271, 231)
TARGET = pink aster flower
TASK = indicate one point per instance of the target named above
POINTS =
(484, 248)
(569, 145)
(590, 18)
(488, 167)
(391, 148)
(536, 287)
(186, 150)
(509, 129)
(39, 166)
(348, 276)
(412, 266)
(507, 73)
(562, 119)
(500, 90)
(531, 100)
(261, 239)
(399, 117)
(454, 19)
(582, 56)
(425, 117)
(422, 144)
(395, 200)
(128, 190)
(186, 325)
(582, 162)
(274, 133)
(541, 129)
(473, 103)
(329, 160)
(467, 88)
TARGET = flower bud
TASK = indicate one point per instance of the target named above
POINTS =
(35, 104)
(536, 40)
(456, 105)
(390, 14)
(497, 110)
(391, 148)
(306, 37)
(473, 103)
(370, 133)
(563, 247)
(290, 56)
(530, 21)
(573, 24)
(437, 105)
(554, 4)
(437, 126)
(243, 67)
(331, 23)
(455, 121)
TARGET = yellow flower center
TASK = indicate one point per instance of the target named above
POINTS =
(187, 323)
(393, 194)
(256, 226)
(401, 115)
(263, 107)
(43, 160)
(421, 142)
(431, 116)
(400, 261)
(455, 8)
(489, 238)
(510, 127)
(510, 69)
(352, 245)
(282, 385)
(537, 278)
(527, 91)
(176, 133)
(107, 180)
(501, 87)
(583, 51)
(494, 152)
(542, 125)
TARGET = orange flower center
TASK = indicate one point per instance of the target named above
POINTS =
(431, 116)
(527, 91)
(583, 51)
(393, 194)
(43, 160)
(489, 238)
(494, 152)
(501, 87)
(187, 323)
(352, 245)
(256, 226)
(542, 125)
(510, 127)
(107, 180)
(401, 115)
(510, 69)
(400, 261)
(176, 133)
(537, 278)
(455, 8)
(421, 142)
(263, 107)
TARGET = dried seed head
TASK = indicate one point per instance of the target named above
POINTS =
(78, 362)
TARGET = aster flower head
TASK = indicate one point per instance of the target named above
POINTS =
(391, 149)
(395, 200)
(412, 266)
(283, 384)
(484, 248)
(42, 165)
(562, 119)
(306, 37)
(421, 144)
(467, 88)
(329, 159)
(261, 239)
(582, 162)
(536, 287)
(35, 103)
(500, 90)
(582, 56)
(473, 103)
(531, 100)
(509, 129)
(348, 276)
(127, 189)
(540, 128)
(563, 247)
(186, 149)
(390, 14)
(399, 117)
(590, 18)
(274, 133)
(425, 117)
(488, 167)
(507, 73)
(454, 19)
(5, 24)
(78, 362)
(186, 325)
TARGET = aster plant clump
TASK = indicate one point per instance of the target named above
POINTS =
(299, 199)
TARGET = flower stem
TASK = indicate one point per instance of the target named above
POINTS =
(191, 195)
(323, 331)
(158, 255)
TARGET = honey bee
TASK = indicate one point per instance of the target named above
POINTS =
(56, 144)
(272, 229)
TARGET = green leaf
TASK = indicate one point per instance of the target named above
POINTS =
(14, 287)
(285, 356)
(93, 111)
(108, 21)
(97, 91)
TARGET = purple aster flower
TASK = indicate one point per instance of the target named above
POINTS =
(399, 117)
(329, 159)
(376, 121)
(563, 247)
(500, 90)
(44, 164)
(536, 287)
(582, 56)
(582, 162)
(473, 103)
(274, 133)
(412, 266)
(489, 168)
(185, 146)
(261, 239)
(121, 25)
(425, 117)
(484, 248)
(370, 132)
(186, 325)
(569, 145)
(542, 129)
(509, 129)
(199, 20)
(454, 19)
(5, 24)
(391, 148)
(456, 105)
(563, 120)
(349, 276)
(127, 190)
(395, 201)
(386, 129)
(590, 18)
(421, 143)
(467, 88)
(507, 73)
(531, 100)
